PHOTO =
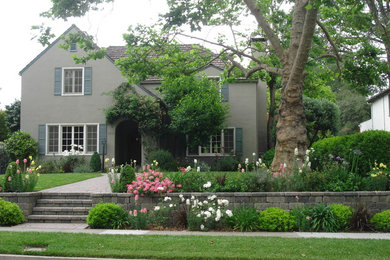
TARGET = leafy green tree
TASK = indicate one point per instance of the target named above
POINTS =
(323, 118)
(13, 116)
(3, 127)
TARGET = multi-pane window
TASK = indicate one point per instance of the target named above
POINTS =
(222, 143)
(80, 138)
(73, 81)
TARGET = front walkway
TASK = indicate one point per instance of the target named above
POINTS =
(94, 185)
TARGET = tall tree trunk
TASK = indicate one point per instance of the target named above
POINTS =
(271, 110)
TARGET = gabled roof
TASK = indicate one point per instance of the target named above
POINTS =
(378, 95)
(117, 52)
(51, 45)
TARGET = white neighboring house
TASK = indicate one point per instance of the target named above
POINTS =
(380, 112)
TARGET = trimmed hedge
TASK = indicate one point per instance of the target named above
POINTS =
(365, 148)
(10, 214)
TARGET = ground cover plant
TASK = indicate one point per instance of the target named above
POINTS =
(192, 247)
(51, 180)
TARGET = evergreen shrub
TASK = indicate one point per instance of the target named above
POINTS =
(126, 177)
(95, 163)
(228, 163)
(107, 215)
(165, 160)
(276, 219)
(10, 214)
(21, 145)
(381, 221)
(343, 215)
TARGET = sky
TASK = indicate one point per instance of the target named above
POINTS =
(107, 26)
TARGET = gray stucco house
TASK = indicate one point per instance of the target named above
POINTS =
(63, 106)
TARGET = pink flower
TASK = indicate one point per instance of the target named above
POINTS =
(17, 171)
(136, 197)
(10, 165)
(144, 210)
(112, 181)
(308, 218)
(17, 161)
(30, 170)
(178, 185)
(281, 166)
(239, 166)
(135, 213)
(24, 160)
(131, 212)
(275, 174)
(9, 178)
(242, 170)
(297, 197)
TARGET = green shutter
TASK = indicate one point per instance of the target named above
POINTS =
(88, 81)
(225, 92)
(102, 137)
(57, 81)
(42, 139)
(238, 141)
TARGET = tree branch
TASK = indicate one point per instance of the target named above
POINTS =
(274, 40)
(327, 35)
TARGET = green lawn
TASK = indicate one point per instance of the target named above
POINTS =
(51, 180)
(192, 247)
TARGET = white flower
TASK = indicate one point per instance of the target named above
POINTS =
(207, 214)
(254, 154)
(113, 160)
(225, 202)
(260, 161)
(307, 152)
(211, 209)
(195, 161)
(219, 215)
(307, 158)
(188, 202)
(284, 165)
(181, 197)
(192, 197)
(229, 213)
(212, 197)
(205, 202)
(198, 169)
(65, 153)
(198, 215)
(219, 201)
(170, 205)
(200, 204)
(257, 164)
(246, 161)
(309, 164)
(135, 161)
(167, 198)
(296, 151)
(201, 227)
(207, 185)
(188, 168)
(156, 208)
(160, 188)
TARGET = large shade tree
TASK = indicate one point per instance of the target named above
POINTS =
(288, 49)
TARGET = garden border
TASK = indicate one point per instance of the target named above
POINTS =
(374, 201)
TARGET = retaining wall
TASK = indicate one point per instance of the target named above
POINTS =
(373, 201)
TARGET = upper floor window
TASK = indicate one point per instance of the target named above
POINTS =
(73, 81)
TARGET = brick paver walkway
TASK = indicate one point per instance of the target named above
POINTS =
(94, 185)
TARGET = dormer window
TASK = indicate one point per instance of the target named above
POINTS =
(73, 81)
(73, 47)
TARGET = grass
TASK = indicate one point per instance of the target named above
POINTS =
(51, 180)
(192, 247)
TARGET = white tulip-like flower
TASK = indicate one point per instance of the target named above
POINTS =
(188, 202)
(170, 205)
(195, 161)
(113, 160)
(156, 208)
(167, 198)
(188, 168)
(254, 154)
(219, 215)
(198, 169)
(246, 161)
(284, 165)
(260, 161)
(296, 151)
(207, 185)
(201, 227)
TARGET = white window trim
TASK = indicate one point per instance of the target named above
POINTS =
(222, 142)
(63, 85)
(60, 125)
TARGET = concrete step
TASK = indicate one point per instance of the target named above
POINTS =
(64, 203)
(55, 195)
(61, 210)
(57, 218)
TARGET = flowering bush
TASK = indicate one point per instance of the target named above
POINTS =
(151, 182)
(19, 177)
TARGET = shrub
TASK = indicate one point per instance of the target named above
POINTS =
(95, 163)
(127, 177)
(82, 168)
(343, 215)
(151, 182)
(20, 179)
(226, 164)
(276, 219)
(165, 160)
(371, 146)
(4, 158)
(268, 157)
(107, 215)
(244, 218)
(50, 166)
(323, 218)
(20, 145)
(10, 214)
(68, 163)
(381, 221)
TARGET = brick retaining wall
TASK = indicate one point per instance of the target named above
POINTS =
(373, 201)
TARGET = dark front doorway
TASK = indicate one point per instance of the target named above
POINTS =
(127, 143)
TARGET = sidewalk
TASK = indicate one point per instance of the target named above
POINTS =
(82, 228)
(94, 185)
